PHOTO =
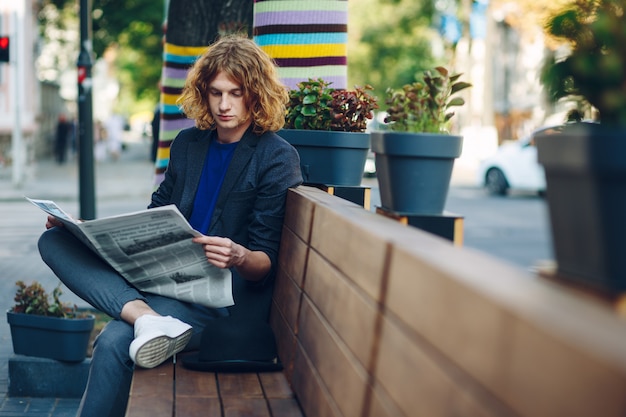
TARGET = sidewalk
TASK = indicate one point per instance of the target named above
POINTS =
(121, 186)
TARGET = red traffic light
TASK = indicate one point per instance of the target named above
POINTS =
(4, 49)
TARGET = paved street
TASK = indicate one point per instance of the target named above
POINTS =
(121, 186)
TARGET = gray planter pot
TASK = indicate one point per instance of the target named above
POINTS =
(414, 170)
(328, 157)
(585, 168)
(50, 337)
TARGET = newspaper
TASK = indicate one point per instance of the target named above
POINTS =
(152, 250)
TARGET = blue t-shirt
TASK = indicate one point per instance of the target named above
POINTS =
(213, 173)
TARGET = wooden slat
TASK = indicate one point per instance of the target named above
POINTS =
(356, 251)
(239, 385)
(285, 407)
(198, 407)
(292, 256)
(347, 309)
(530, 343)
(275, 385)
(343, 376)
(312, 394)
(152, 392)
(285, 340)
(245, 407)
(299, 211)
(289, 281)
(190, 383)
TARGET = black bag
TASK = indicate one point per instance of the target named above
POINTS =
(231, 344)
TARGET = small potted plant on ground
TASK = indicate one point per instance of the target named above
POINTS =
(48, 329)
(327, 127)
(415, 157)
(585, 162)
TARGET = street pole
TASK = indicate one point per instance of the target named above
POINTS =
(17, 143)
(85, 117)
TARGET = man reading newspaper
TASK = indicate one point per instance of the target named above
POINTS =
(229, 176)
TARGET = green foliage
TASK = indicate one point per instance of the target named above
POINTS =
(391, 42)
(316, 106)
(424, 106)
(33, 299)
(135, 28)
(132, 27)
(595, 69)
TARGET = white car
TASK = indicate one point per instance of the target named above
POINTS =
(513, 166)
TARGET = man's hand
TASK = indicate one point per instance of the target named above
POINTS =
(221, 251)
(53, 222)
(224, 253)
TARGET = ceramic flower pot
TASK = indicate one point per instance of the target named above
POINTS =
(586, 193)
(50, 337)
(414, 170)
(329, 157)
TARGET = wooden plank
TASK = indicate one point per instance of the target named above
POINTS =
(287, 288)
(545, 376)
(152, 392)
(357, 251)
(412, 378)
(198, 407)
(275, 385)
(246, 385)
(195, 383)
(245, 407)
(299, 211)
(292, 256)
(341, 373)
(347, 309)
(312, 394)
(529, 341)
(285, 407)
(285, 340)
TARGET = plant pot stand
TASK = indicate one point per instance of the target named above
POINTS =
(43, 377)
(446, 225)
(360, 195)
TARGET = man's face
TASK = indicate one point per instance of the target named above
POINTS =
(228, 108)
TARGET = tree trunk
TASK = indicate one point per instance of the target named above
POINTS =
(192, 25)
(199, 22)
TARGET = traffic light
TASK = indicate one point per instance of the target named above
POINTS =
(4, 49)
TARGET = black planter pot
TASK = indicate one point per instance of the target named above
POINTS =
(50, 337)
(585, 168)
(414, 170)
(328, 157)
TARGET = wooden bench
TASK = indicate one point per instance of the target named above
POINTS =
(377, 319)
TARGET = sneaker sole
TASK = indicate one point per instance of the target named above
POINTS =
(156, 351)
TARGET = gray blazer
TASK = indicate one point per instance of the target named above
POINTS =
(250, 206)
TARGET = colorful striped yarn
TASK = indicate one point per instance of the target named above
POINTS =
(307, 39)
(176, 63)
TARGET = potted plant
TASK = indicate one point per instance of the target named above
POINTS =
(585, 163)
(48, 329)
(327, 127)
(415, 156)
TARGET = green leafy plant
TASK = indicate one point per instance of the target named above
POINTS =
(594, 70)
(317, 106)
(33, 299)
(424, 106)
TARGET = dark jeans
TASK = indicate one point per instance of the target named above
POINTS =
(89, 277)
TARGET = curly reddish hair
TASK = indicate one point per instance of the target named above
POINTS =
(246, 64)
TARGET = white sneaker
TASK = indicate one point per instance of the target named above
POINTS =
(158, 338)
